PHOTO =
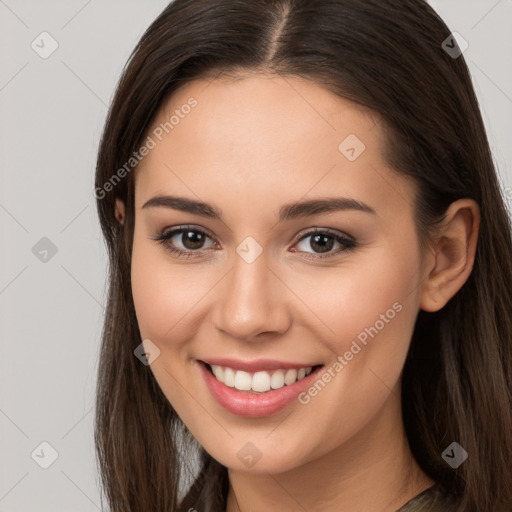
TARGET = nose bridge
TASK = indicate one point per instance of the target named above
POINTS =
(251, 300)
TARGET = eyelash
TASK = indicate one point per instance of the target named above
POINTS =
(164, 238)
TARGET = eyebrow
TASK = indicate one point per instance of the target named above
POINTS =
(290, 211)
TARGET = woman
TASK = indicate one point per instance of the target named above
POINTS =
(309, 289)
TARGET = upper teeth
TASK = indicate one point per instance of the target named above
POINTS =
(258, 381)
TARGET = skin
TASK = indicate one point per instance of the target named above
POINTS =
(250, 146)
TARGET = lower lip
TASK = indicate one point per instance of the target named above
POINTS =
(255, 405)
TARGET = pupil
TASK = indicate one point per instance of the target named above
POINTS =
(192, 239)
(325, 243)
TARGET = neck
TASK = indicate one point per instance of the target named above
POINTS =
(373, 471)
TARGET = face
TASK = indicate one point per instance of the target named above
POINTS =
(269, 286)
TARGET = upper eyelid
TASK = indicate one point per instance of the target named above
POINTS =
(173, 231)
(329, 231)
(185, 227)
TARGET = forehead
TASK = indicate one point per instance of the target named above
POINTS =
(265, 138)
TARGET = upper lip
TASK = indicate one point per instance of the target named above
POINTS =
(256, 365)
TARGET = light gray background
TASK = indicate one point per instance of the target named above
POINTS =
(51, 115)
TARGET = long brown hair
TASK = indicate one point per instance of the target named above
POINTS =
(387, 55)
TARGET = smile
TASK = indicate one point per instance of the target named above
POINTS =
(256, 393)
(259, 382)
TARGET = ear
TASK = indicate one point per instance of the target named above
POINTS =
(119, 211)
(453, 254)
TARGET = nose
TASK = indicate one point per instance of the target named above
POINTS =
(252, 303)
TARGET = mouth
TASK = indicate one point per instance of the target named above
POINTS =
(259, 382)
(257, 394)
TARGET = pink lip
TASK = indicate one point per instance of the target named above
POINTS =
(256, 366)
(252, 404)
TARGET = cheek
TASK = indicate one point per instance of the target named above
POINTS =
(163, 292)
(355, 295)
(164, 295)
(368, 310)
(151, 292)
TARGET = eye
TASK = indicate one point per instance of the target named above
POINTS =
(192, 242)
(191, 238)
(323, 241)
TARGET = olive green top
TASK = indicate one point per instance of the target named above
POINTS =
(421, 502)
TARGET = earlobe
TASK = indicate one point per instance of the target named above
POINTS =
(454, 254)
(119, 211)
